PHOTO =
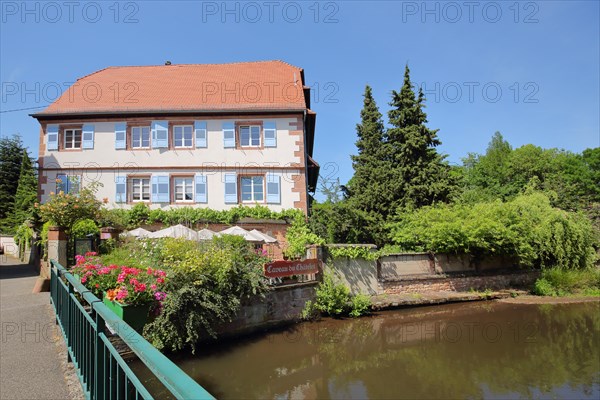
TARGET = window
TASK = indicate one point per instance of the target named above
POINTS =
(182, 136)
(72, 138)
(250, 136)
(68, 184)
(140, 137)
(252, 188)
(184, 189)
(140, 189)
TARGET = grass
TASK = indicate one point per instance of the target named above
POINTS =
(568, 282)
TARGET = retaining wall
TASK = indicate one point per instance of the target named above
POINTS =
(281, 306)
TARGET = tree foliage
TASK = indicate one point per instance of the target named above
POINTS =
(527, 227)
(26, 194)
(11, 156)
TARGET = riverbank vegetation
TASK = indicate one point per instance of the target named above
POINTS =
(334, 299)
(540, 207)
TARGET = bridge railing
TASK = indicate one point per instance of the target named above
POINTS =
(102, 371)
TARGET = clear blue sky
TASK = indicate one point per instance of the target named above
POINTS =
(543, 56)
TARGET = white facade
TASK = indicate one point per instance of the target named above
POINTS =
(210, 160)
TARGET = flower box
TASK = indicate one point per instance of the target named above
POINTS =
(135, 316)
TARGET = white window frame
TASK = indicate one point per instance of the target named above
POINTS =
(252, 192)
(182, 127)
(71, 143)
(181, 183)
(250, 136)
(141, 185)
(141, 141)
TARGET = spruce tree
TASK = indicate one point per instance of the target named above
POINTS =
(11, 155)
(26, 194)
(420, 175)
(368, 187)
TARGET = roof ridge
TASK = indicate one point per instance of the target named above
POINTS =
(92, 73)
(195, 64)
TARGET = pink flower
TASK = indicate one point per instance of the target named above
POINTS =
(121, 277)
(91, 254)
(104, 271)
(153, 287)
(140, 288)
(122, 294)
(160, 280)
(134, 281)
(160, 296)
(84, 279)
(149, 271)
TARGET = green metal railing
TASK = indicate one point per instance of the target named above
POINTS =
(103, 373)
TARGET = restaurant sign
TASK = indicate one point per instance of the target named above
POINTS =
(282, 268)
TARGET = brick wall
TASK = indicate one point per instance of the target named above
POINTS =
(461, 283)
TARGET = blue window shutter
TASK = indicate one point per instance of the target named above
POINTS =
(87, 136)
(160, 189)
(270, 134)
(121, 189)
(231, 188)
(200, 130)
(52, 137)
(201, 189)
(228, 134)
(273, 189)
(160, 134)
(120, 135)
(62, 183)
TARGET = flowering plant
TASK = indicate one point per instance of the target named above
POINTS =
(132, 286)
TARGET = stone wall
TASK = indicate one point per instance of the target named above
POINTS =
(462, 283)
(10, 247)
(282, 305)
(360, 275)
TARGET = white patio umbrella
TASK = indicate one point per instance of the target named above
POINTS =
(264, 236)
(177, 231)
(206, 234)
(137, 232)
(248, 236)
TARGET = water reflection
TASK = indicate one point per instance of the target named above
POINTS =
(489, 350)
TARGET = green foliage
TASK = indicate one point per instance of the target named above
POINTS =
(342, 222)
(23, 238)
(11, 157)
(569, 179)
(43, 239)
(116, 217)
(354, 252)
(298, 236)
(418, 176)
(361, 305)
(139, 214)
(63, 209)
(26, 194)
(527, 228)
(207, 282)
(564, 282)
(332, 298)
(84, 227)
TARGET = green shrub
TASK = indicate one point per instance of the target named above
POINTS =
(298, 236)
(354, 252)
(139, 214)
(527, 228)
(83, 228)
(332, 298)
(361, 305)
(562, 282)
(207, 283)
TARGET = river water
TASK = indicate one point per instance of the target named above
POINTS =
(488, 350)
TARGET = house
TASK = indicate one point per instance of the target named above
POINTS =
(202, 135)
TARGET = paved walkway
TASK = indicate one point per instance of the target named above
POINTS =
(32, 354)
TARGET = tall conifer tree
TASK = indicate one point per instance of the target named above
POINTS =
(420, 175)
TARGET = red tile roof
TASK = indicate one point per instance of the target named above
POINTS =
(245, 86)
